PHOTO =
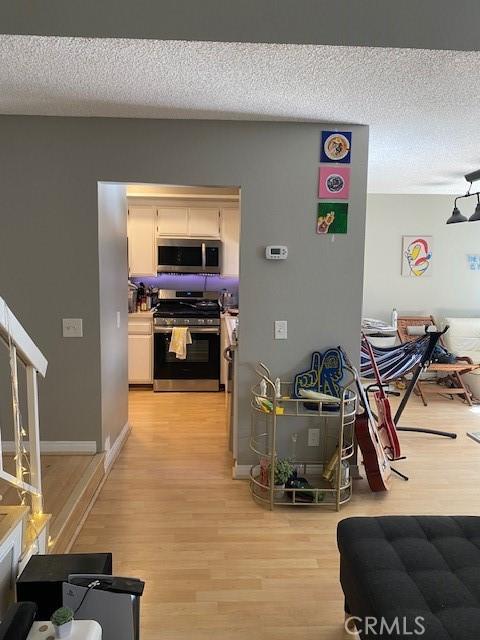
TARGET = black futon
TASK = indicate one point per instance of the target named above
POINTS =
(412, 576)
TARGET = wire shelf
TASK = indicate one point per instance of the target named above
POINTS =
(272, 415)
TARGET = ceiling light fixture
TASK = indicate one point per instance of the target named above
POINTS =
(476, 216)
(457, 215)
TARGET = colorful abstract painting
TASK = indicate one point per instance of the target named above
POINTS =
(332, 217)
(334, 182)
(336, 146)
(417, 252)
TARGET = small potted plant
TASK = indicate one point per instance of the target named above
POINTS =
(283, 470)
(62, 620)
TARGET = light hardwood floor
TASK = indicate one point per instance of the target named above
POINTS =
(58, 471)
(69, 483)
(218, 566)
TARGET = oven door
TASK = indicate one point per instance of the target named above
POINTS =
(200, 371)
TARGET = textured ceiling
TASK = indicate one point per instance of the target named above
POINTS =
(422, 106)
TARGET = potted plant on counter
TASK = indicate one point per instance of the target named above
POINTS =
(283, 470)
(62, 620)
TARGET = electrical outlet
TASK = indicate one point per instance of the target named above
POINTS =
(281, 329)
(314, 437)
(72, 327)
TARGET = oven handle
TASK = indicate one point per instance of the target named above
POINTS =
(192, 330)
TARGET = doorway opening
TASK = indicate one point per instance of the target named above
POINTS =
(174, 341)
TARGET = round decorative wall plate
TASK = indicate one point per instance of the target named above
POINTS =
(334, 183)
(336, 146)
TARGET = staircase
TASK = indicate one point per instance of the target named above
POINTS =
(24, 528)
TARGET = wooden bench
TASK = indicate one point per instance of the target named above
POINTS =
(453, 371)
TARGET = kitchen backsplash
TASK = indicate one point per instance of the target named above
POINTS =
(190, 282)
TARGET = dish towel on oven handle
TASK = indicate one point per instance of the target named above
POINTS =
(178, 344)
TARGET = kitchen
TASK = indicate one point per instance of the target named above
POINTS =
(183, 257)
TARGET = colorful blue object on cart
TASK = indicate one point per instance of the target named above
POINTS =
(324, 376)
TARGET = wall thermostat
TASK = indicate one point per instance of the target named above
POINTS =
(276, 252)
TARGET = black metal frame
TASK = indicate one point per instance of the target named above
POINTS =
(434, 337)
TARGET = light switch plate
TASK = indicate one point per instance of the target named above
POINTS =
(281, 330)
(118, 319)
(72, 327)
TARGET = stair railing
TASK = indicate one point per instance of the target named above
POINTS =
(21, 347)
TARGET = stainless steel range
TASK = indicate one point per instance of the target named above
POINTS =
(200, 312)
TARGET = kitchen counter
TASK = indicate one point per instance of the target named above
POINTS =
(231, 326)
(142, 314)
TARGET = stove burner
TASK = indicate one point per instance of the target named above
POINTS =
(171, 308)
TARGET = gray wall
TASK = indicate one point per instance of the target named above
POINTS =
(429, 24)
(113, 276)
(452, 289)
(49, 264)
(49, 243)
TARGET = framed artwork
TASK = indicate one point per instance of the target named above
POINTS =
(473, 261)
(417, 252)
(332, 217)
(334, 182)
(336, 146)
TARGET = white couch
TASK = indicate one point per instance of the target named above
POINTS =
(463, 339)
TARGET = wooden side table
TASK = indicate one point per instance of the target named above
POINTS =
(81, 630)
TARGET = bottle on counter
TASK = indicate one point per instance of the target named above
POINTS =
(141, 299)
(148, 299)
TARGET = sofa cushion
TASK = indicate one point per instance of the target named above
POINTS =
(411, 567)
(463, 337)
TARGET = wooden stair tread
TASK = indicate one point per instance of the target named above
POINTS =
(10, 516)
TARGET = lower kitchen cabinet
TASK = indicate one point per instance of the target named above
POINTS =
(140, 359)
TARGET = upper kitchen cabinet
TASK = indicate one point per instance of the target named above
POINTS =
(172, 222)
(231, 238)
(189, 222)
(204, 223)
(142, 260)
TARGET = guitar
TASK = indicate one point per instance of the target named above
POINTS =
(386, 429)
(375, 460)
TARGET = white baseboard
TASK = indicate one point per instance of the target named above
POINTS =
(241, 471)
(56, 446)
(112, 454)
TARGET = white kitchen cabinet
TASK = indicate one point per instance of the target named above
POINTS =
(172, 222)
(204, 223)
(142, 259)
(140, 349)
(195, 222)
(230, 237)
(140, 359)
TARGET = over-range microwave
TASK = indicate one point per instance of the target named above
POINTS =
(187, 255)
